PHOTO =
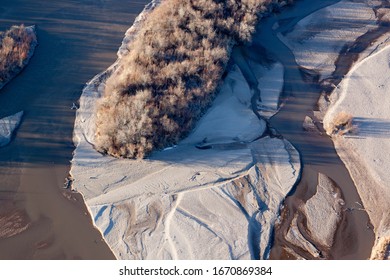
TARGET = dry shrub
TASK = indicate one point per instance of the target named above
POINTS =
(381, 250)
(171, 73)
(342, 124)
(15, 45)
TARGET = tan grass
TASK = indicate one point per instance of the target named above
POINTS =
(381, 250)
(171, 73)
(15, 45)
(342, 124)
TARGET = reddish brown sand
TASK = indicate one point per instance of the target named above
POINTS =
(38, 218)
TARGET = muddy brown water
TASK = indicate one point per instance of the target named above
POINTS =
(77, 40)
(354, 237)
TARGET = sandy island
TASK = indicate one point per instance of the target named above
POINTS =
(218, 181)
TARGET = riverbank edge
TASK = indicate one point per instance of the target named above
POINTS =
(354, 165)
(92, 87)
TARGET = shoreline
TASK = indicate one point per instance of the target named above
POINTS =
(311, 146)
(350, 56)
(92, 86)
(353, 147)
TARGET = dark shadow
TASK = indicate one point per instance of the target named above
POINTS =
(371, 128)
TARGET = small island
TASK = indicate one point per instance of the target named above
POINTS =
(17, 45)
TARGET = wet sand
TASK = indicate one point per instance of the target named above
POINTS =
(354, 237)
(38, 218)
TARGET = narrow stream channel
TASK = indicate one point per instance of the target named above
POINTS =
(354, 237)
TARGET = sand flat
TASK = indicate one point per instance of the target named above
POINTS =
(226, 194)
(317, 43)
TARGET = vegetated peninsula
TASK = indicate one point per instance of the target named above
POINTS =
(16, 48)
(171, 73)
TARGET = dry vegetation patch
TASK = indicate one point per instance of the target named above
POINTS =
(381, 250)
(171, 73)
(342, 124)
(16, 46)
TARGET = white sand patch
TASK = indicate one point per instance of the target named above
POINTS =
(268, 78)
(167, 216)
(230, 118)
(271, 83)
(364, 93)
(8, 126)
(317, 40)
(323, 211)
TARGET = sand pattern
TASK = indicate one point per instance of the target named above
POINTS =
(222, 186)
